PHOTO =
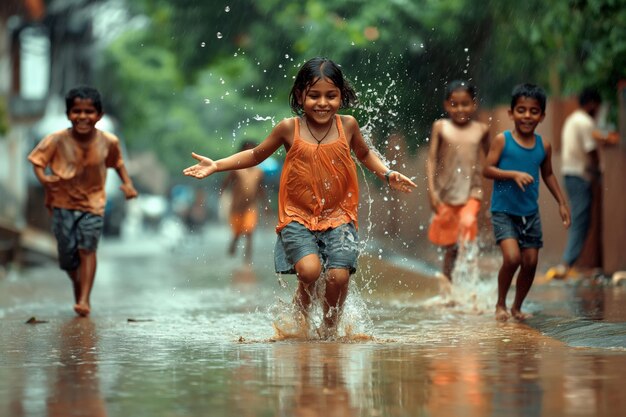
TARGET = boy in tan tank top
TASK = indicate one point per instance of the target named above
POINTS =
(454, 173)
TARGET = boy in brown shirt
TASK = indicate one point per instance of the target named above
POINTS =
(72, 165)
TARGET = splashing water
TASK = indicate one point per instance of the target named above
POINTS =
(470, 291)
(290, 322)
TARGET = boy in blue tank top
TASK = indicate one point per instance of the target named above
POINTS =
(514, 161)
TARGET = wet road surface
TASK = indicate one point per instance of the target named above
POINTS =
(180, 329)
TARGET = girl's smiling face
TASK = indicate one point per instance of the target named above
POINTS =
(321, 101)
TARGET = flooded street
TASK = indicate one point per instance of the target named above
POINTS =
(178, 328)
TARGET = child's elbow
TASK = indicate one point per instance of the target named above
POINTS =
(361, 154)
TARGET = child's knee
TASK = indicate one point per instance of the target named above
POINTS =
(308, 270)
(512, 260)
(338, 277)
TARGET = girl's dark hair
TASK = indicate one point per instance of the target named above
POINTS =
(314, 70)
(529, 91)
(457, 85)
(86, 93)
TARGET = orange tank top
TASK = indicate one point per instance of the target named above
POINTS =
(318, 184)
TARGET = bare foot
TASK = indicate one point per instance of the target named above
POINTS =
(445, 285)
(519, 316)
(501, 314)
(82, 309)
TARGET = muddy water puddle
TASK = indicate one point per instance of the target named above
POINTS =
(200, 342)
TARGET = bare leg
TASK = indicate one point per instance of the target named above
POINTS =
(75, 283)
(510, 263)
(449, 259)
(524, 282)
(248, 253)
(233, 244)
(336, 292)
(308, 270)
(86, 276)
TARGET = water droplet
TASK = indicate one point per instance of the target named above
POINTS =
(466, 49)
(207, 101)
(227, 9)
(203, 44)
(219, 35)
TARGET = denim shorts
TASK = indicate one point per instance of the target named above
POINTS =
(337, 248)
(74, 230)
(525, 229)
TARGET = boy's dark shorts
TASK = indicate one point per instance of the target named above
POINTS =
(74, 230)
(525, 229)
(337, 248)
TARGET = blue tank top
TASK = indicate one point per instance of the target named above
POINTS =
(507, 197)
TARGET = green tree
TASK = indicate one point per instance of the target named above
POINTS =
(200, 73)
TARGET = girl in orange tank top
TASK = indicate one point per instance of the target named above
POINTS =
(319, 193)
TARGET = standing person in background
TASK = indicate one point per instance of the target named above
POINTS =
(319, 190)
(580, 169)
(454, 172)
(77, 159)
(246, 185)
(514, 162)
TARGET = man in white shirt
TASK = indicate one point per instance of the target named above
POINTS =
(580, 167)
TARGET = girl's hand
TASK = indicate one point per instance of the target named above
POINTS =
(400, 182)
(202, 169)
(522, 179)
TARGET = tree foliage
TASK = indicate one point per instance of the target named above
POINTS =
(203, 75)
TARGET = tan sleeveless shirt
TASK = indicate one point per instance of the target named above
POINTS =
(458, 174)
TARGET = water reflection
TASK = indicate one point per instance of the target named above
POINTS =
(76, 387)
(316, 380)
(518, 392)
(244, 277)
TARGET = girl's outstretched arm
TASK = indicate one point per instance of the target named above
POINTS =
(244, 159)
(370, 159)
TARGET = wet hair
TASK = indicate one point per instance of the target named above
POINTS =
(247, 144)
(589, 95)
(314, 70)
(529, 91)
(457, 85)
(86, 93)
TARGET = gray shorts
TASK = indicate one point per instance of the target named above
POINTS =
(74, 230)
(337, 248)
(525, 229)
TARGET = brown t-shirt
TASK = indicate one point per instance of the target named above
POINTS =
(81, 166)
